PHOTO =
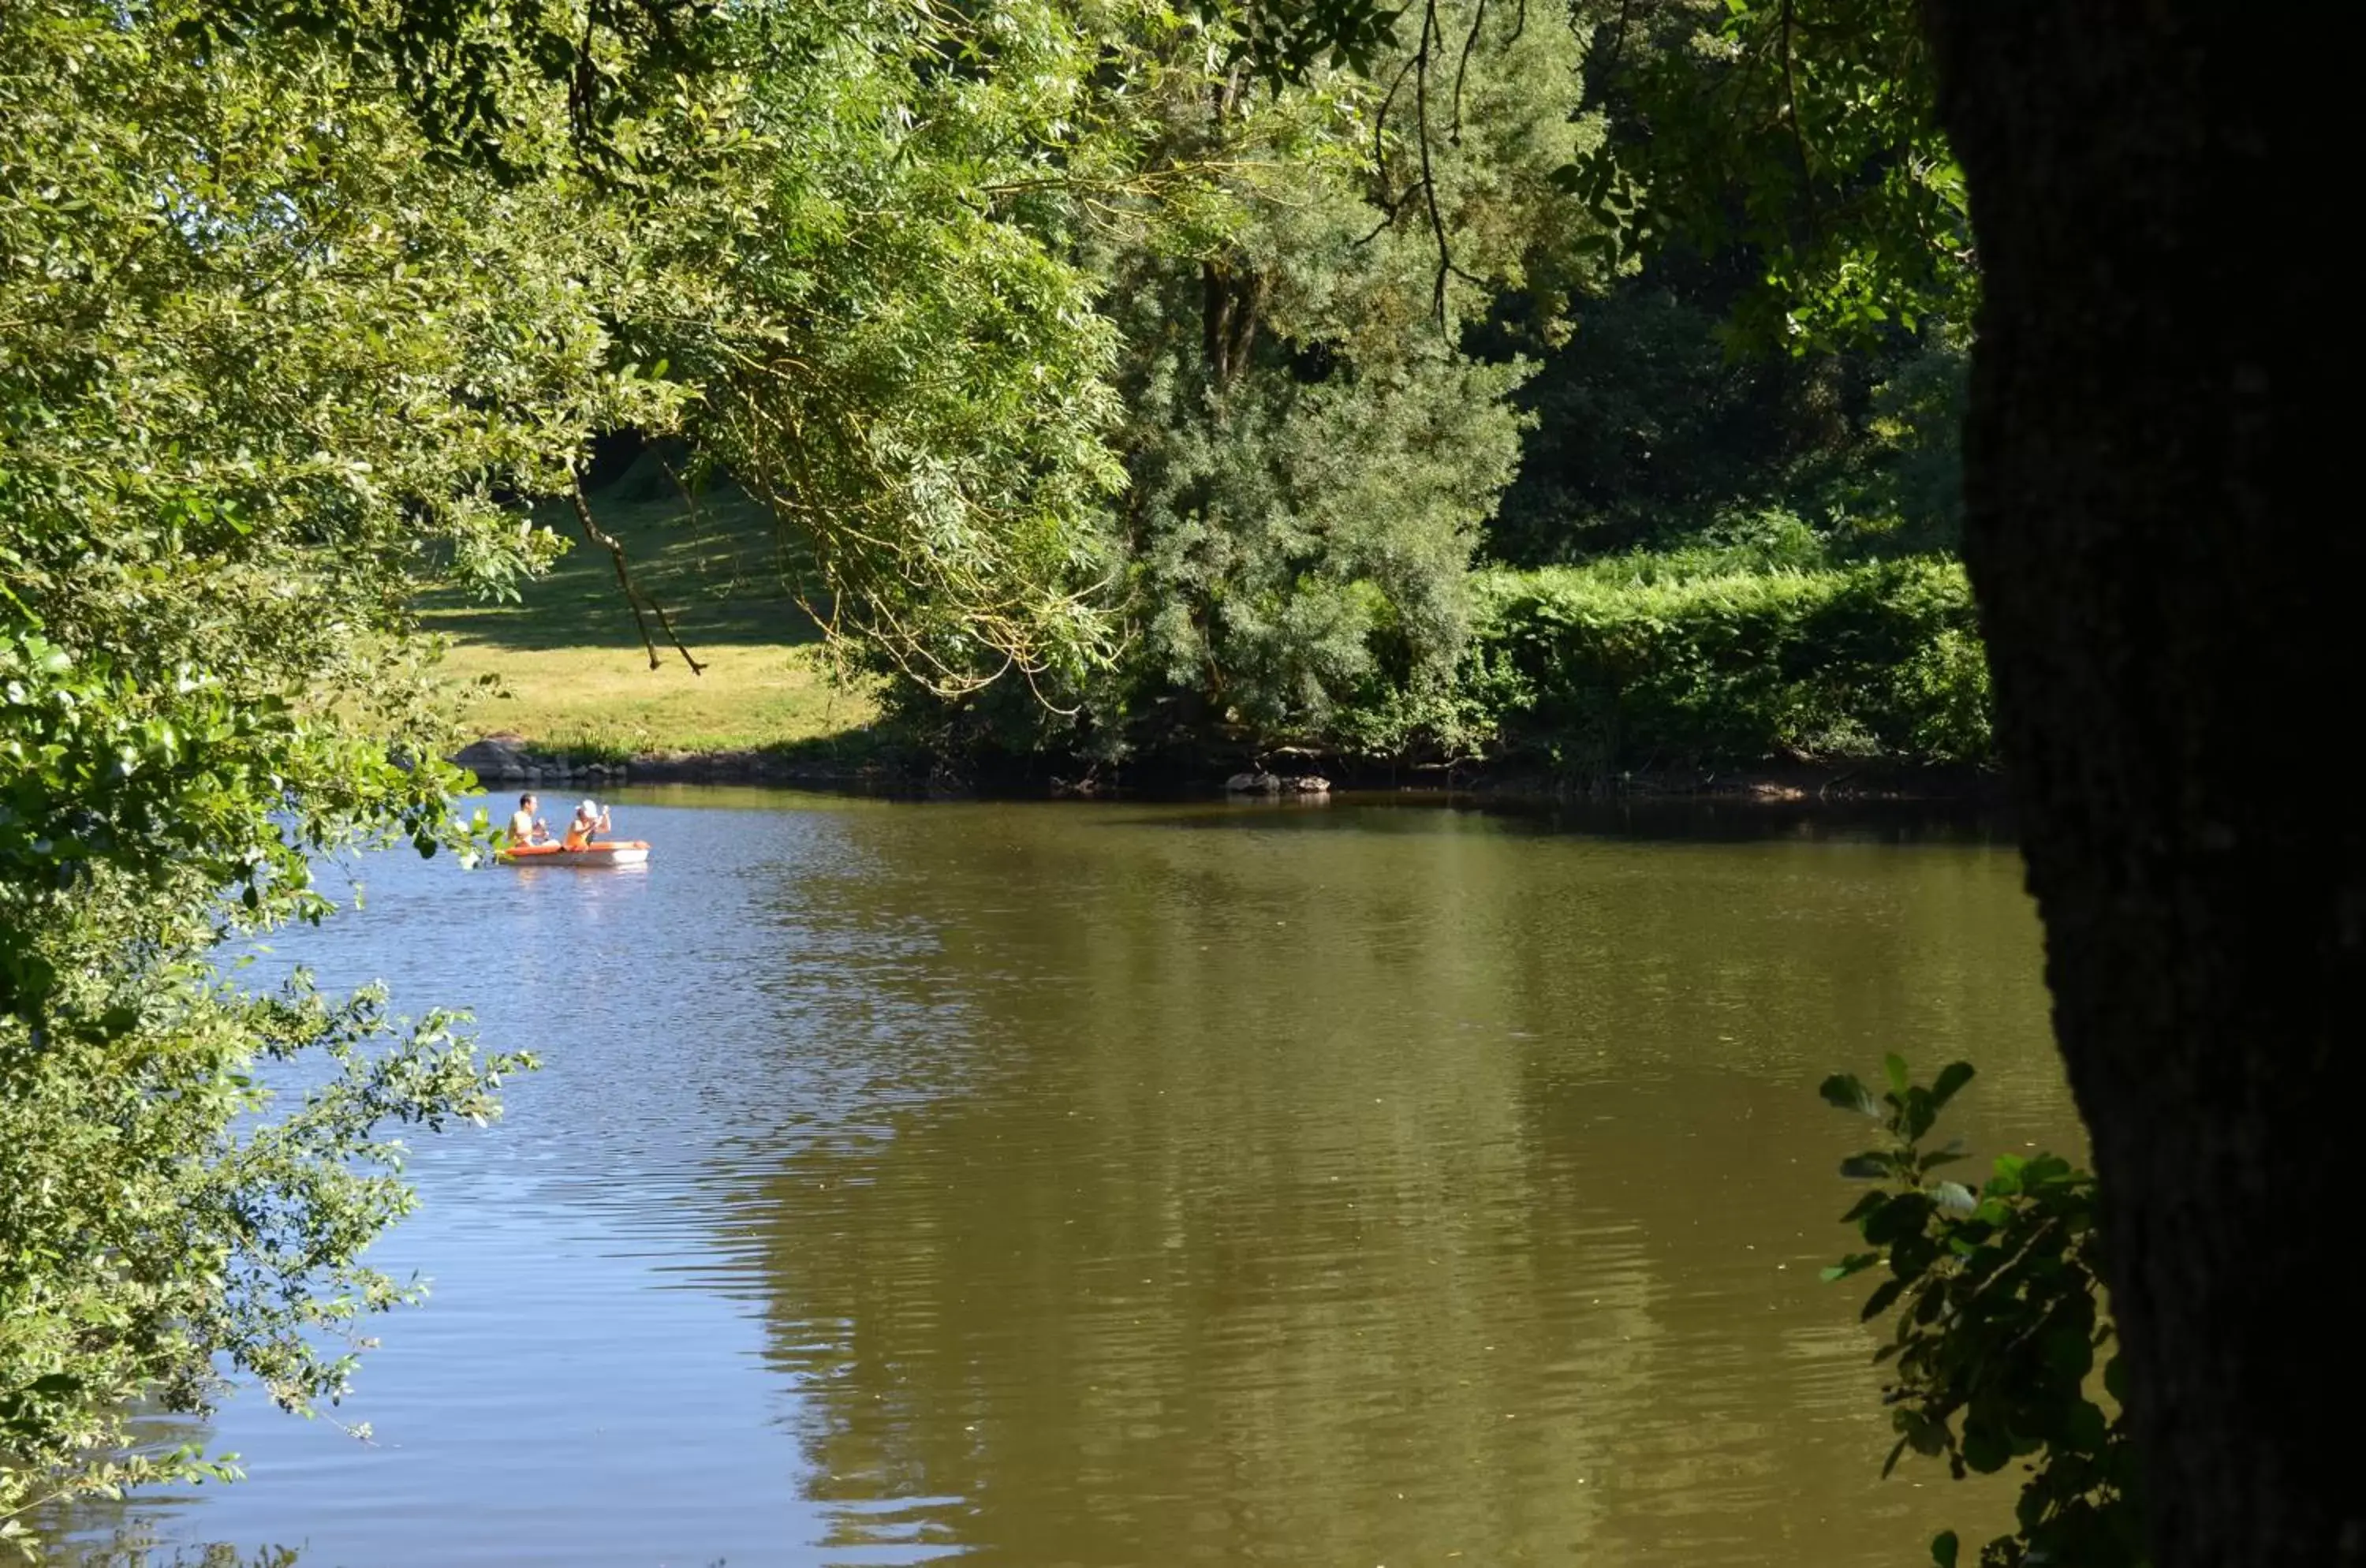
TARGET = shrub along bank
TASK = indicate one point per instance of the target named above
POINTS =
(1697, 661)
(1657, 667)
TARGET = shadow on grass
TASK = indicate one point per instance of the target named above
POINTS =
(720, 573)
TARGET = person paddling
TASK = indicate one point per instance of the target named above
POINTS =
(591, 821)
(525, 827)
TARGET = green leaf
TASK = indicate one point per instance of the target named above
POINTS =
(1951, 1080)
(1954, 1197)
(1893, 1066)
(1866, 1166)
(1913, 1255)
(2069, 1353)
(1944, 1549)
(2045, 1170)
(1883, 1298)
(1985, 1448)
(1900, 1217)
(1864, 1206)
(2084, 1428)
(1847, 1092)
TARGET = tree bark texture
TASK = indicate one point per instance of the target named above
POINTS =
(1230, 300)
(2173, 615)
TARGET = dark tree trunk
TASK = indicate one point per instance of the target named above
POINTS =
(1229, 303)
(2168, 611)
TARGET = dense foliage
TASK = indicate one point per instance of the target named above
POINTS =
(282, 343)
(1365, 339)
(1649, 429)
(1313, 455)
(1804, 132)
(259, 353)
(880, 336)
(1683, 660)
(2000, 1321)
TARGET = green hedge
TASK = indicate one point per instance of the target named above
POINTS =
(1651, 661)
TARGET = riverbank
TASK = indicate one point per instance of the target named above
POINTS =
(509, 759)
(1614, 680)
(859, 761)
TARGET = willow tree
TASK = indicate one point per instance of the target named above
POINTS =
(263, 360)
(299, 308)
(885, 339)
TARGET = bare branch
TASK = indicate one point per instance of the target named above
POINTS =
(1429, 32)
(633, 595)
(1617, 49)
(1389, 210)
(1791, 113)
(1469, 42)
(1381, 121)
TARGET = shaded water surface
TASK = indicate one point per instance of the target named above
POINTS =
(1035, 1185)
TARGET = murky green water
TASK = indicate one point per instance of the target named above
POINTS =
(1098, 1185)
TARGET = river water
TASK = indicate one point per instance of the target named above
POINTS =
(1045, 1185)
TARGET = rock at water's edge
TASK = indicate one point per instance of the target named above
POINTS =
(495, 757)
(1263, 783)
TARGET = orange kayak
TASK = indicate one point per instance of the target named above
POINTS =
(607, 852)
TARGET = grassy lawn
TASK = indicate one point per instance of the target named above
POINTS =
(573, 677)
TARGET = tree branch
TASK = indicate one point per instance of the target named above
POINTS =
(633, 595)
(1428, 178)
(1462, 67)
(1791, 113)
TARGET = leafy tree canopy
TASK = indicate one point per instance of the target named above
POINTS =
(294, 315)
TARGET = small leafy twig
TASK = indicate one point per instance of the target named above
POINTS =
(1999, 1320)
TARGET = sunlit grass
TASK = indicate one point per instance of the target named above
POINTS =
(606, 701)
(570, 671)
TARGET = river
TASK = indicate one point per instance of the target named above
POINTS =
(1033, 1185)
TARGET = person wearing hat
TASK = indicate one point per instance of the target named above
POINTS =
(591, 821)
